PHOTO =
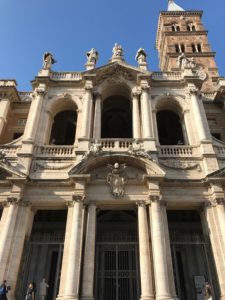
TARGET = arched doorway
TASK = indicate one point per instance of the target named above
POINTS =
(170, 130)
(117, 258)
(64, 128)
(116, 118)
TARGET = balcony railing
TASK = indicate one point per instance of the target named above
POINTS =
(54, 151)
(115, 144)
(178, 151)
(220, 151)
(10, 151)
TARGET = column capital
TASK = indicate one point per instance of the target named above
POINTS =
(155, 198)
(88, 86)
(97, 96)
(12, 200)
(136, 91)
(142, 203)
(145, 87)
(215, 202)
(192, 90)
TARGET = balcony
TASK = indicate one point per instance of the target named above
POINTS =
(178, 151)
(53, 151)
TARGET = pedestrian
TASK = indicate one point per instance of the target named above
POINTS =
(207, 291)
(35, 289)
(30, 292)
(3, 290)
(43, 289)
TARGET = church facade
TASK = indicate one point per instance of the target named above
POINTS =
(112, 179)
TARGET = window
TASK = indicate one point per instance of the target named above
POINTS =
(64, 128)
(170, 130)
(22, 122)
(16, 135)
(217, 136)
(116, 118)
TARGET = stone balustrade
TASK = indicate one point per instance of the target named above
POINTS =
(178, 151)
(54, 151)
(75, 76)
(166, 76)
(220, 151)
(9, 151)
(115, 144)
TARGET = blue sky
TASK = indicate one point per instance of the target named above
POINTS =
(70, 28)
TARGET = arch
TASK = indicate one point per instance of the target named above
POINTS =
(92, 163)
(170, 122)
(116, 110)
(64, 128)
(116, 117)
(60, 103)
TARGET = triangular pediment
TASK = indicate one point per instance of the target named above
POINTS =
(117, 70)
(7, 172)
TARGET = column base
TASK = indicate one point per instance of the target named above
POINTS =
(87, 298)
(165, 298)
(147, 298)
(67, 298)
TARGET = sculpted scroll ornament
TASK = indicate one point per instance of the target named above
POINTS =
(136, 150)
(117, 179)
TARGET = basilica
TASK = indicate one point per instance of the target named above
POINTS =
(112, 179)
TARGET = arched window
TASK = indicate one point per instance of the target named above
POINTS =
(175, 27)
(116, 118)
(194, 50)
(169, 128)
(199, 47)
(64, 128)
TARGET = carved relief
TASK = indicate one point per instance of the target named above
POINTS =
(180, 165)
(117, 179)
(51, 166)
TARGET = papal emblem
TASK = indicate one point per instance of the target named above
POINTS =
(117, 179)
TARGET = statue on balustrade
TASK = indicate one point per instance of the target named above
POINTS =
(117, 51)
(117, 179)
(48, 61)
(141, 56)
(92, 56)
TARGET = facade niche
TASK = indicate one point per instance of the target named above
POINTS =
(170, 130)
(116, 118)
(64, 128)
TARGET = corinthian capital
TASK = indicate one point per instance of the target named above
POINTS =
(88, 85)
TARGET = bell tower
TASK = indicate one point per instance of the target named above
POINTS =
(181, 31)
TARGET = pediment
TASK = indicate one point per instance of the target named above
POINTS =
(117, 71)
(219, 174)
(8, 172)
(136, 167)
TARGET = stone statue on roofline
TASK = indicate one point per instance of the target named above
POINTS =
(92, 56)
(48, 60)
(117, 53)
(141, 58)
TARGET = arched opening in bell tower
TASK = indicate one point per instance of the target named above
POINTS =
(116, 118)
(64, 128)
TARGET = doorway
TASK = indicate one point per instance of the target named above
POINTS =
(117, 257)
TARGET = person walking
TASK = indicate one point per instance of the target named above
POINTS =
(208, 291)
(30, 292)
(3, 290)
(43, 289)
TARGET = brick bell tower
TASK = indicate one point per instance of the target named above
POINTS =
(183, 31)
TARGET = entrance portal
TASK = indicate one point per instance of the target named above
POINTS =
(117, 258)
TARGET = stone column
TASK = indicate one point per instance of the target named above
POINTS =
(71, 265)
(145, 112)
(4, 109)
(22, 230)
(198, 114)
(168, 253)
(87, 110)
(34, 114)
(7, 233)
(136, 115)
(97, 117)
(89, 255)
(146, 271)
(159, 250)
(155, 125)
(213, 218)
